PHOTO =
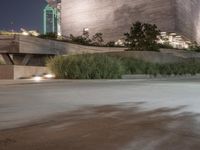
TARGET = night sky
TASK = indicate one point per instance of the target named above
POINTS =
(23, 13)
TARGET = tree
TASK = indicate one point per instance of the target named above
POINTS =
(97, 39)
(82, 39)
(194, 47)
(110, 44)
(49, 36)
(142, 36)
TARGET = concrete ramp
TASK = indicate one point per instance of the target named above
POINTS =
(8, 44)
(28, 50)
(23, 54)
(33, 45)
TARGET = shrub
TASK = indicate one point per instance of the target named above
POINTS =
(142, 37)
(83, 40)
(165, 45)
(194, 47)
(140, 67)
(97, 39)
(110, 44)
(52, 36)
(86, 66)
(134, 66)
(102, 66)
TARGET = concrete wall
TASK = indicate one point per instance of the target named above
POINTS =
(38, 46)
(188, 18)
(28, 71)
(32, 45)
(17, 72)
(6, 72)
(114, 17)
(9, 43)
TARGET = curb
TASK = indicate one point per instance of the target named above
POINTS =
(143, 76)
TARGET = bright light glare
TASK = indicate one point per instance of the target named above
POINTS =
(49, 76)
(37, 78)
(25, 33)
(86, 29)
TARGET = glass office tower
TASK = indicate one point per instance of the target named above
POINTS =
(52, 20)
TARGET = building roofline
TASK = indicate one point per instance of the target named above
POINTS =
(53, 2)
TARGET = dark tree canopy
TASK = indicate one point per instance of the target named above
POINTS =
(142, 36)
(97, 39)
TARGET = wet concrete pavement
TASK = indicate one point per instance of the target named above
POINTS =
(88, 115)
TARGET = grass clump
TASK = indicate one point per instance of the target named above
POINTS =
(177, 69)
(102, 66)
(86, 66)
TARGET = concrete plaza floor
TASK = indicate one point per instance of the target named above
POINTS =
(104, 114)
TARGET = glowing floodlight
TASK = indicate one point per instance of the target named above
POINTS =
(86, 29)
(37, 78)
(49, 76)
(25, 33)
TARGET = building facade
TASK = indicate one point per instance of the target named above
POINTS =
(114, 17)
(52, 22)
(188, 18)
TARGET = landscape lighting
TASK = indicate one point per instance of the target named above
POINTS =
(49, 76)
(37, 78)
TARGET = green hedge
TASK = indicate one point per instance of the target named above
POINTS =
(86, 66)
(101, 66)
(140, 67)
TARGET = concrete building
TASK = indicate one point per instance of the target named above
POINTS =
(114, 17)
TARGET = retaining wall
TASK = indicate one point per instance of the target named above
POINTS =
(17, 72)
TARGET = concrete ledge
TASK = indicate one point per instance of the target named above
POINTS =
(32, 45)
(17, 72)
